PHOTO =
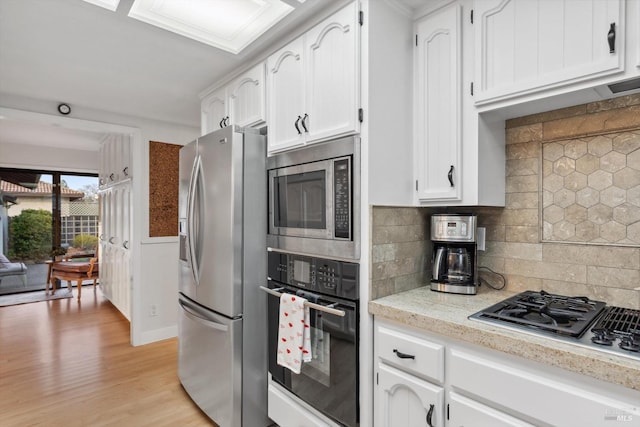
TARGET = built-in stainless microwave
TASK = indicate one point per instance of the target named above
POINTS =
(314, 199)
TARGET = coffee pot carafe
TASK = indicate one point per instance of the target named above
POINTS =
(454, 266)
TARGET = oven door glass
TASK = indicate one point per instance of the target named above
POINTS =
(329, 382)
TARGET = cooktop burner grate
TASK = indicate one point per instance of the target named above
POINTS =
(619, 320)
(577, 320)
(547, 312)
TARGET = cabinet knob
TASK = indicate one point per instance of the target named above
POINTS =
(296, 125)
(304, 122)
(611, 38)
(125, 171)
(125, 244)
(450, 175)
(112, 177)
(112, 240)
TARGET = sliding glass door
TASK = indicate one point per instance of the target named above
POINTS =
(44, 214)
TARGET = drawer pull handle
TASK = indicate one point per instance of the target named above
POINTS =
(403, 355)
(430, 415)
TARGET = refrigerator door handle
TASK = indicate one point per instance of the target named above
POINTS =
(192, 222)
(191, 314)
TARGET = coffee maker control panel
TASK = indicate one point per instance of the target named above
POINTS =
(453, 228)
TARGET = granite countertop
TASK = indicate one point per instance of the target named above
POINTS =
(446, 314)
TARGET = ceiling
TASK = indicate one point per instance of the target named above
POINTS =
(89, 57)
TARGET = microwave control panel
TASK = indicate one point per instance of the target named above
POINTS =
(342, 194)
(330, 277)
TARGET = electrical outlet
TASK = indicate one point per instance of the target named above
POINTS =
(482, 233)
(153, 310)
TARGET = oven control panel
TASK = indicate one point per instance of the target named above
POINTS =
(326, 276)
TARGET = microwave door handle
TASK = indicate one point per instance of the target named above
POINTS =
(193, 315)
(325, 308)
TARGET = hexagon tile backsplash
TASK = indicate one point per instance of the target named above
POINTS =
(591, 189)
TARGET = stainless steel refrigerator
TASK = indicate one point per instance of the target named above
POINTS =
(222, 333)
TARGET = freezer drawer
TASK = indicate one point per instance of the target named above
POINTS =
(210, 362)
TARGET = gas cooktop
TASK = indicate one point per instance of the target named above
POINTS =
(577, 320)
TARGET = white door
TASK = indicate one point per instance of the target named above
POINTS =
(525, 46)
(286, 97)
(438, 106)
(214, 111)
(331, 71)
(246, 97)
(405, 400)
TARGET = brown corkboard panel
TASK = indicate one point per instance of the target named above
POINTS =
(164, 161)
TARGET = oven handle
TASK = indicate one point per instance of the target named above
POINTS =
(326, 309)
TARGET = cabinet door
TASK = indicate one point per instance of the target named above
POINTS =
(214, 111)
(405, 400)
(438, 108)
(525, 46)
(331, 72)
(286, 97)
(466, 412)
(246, 97)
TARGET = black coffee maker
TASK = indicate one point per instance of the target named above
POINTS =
(454, 263)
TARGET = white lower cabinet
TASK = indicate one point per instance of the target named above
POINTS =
(409, 372)
(406, 400)
(485, 388)
(541, 396)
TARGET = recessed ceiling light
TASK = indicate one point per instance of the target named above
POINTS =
(230, 25)
(112, 5)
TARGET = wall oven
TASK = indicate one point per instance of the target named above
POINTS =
(314, 199)
(329, 382)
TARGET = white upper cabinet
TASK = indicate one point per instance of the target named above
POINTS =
(286, 97)
(314, 84)
(246, 98)
(115, 160)
(439, 106)
(214, 111)
(331, 71)
(459, 154)
(241, 102)
(526, 46)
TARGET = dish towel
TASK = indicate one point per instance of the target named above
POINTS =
(294, 333)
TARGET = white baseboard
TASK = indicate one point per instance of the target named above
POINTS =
(158, 335)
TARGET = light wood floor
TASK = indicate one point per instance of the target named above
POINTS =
(65, 363)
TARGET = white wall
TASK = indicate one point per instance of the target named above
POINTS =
(155, 261)
(50, 158)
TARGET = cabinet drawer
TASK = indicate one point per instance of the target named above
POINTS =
(411, 353)
(526, 392)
